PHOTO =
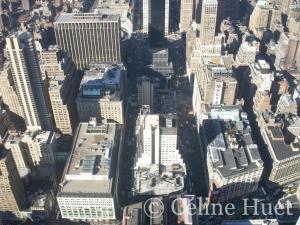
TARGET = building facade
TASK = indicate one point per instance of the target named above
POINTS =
(234, 164)
(101, 93)
(89, 37)
(87, 190)
(12, 191)
(27, 80)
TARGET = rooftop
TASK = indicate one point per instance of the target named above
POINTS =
(86, 18)
(91, 160)
(280, 150)
(133, 214)
(148, 181)
(230, 144)
(102, 79)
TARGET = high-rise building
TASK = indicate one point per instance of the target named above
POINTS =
(101, 93)
(89, 37)
(8, 92)
(214, 84)
(156, 20)
(51, 62)
(145, 93)
(285, 154)
(265, 15)
(4, 123)
(233, 161)
(12, 192)
(187, 8)
(62, 97)
(157, 146)
(288, 52)
(247, 53)
(61, 81)
(208, 22)
(88, 191)
(20, 153)
(27, 80)
(42, 146)
(219, 87)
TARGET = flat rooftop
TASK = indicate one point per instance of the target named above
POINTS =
(230, 144)
(86, 18)
(90, 166)
(148, 182)
(133, 214)
(281, 150)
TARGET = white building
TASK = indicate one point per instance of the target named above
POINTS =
(159, 168)
(27, 80)
(261, 76)
(87, 190)
(158, 141)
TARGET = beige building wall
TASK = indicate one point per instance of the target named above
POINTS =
(12, 191)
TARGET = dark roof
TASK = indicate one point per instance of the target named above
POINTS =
(281, 150)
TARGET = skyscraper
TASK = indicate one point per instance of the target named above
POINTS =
(12, 192)
(89, 37)
(26, 75)
(186, 14)
(145, 93)
(208, 22)
(9, 94)
(156, 20)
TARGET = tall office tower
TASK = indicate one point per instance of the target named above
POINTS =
(288, 52)
(233, 161)
(285, 154)
(4, 123)
(261, 81)
(186, 14)
(62, 85)
(20, 153)
(42, 147)
(51, 62)
(265, 15)
(145, 93)
(220, 87)
(1, 22)
(157, 148)
(247, 53)
(8, 92)
(158, 140)
(156, 20)
(88, 189)
(12, 191)
(27, 80)
(89, 37)
(62, 96)
(102, 93)
(208, 22)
